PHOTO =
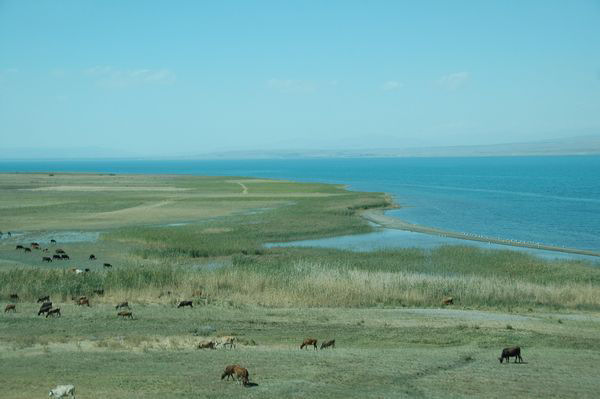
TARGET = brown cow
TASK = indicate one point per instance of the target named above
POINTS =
(83, 301)
(229, 370)
(507, 353)
(309, 341)
(10, 306)
(125, 314)
(241, 374)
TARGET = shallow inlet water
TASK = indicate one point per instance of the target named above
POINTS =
(394, 239)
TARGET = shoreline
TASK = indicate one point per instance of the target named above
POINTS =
(378, 216)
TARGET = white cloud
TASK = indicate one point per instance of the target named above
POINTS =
(454, 81)
(392, 85)
(291, 85)
(108, 76)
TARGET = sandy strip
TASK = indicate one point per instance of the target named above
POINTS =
(378, 216)
(105, 188)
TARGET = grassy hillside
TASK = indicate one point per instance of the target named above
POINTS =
(171, 238)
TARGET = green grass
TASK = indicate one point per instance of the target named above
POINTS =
(393, 337)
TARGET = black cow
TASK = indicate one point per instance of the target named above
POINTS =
(46, 259)
(58, 257)
(92, 257)
(27, 249)
(19, 247)
(14, 297)
(507, 353)
(65, 257)
(107, 265)
(185, 303)
(97, 292)
(122, 305)
(53, 241)
(59, 251)
(45, 308)
(53, 312)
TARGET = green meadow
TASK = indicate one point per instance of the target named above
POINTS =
(173, 238)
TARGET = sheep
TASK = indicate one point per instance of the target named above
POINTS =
(507, 353)
(44, 299)
(185, 303)
(448, 301)
(79, 271)
(328, 344)
(62, 390)
(309, 341)
(227, 340)
(122, 305)
(206, 345)
(53, 312)
(10, 306)
(125, 314)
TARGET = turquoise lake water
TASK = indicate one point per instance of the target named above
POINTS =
(548, 200)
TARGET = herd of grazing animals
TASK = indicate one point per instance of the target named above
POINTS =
(233, 371)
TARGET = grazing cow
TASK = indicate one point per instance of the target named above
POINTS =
(53, 312)
(107, 265)
(328, 344)
(122, 305)
(97, 292)
(14, 297)
(59, 251)
(34, 245)
(87, 269)
(448, 301)
(46, 259)
(185, 303)
(20, 247)
(9, 234)
(58, 257)
(27, 249)
(206, 345)
(92, 257)
(227, 340)
(308, 342)
(241, 374)
(10, 306)
(53, 241)
(45, 308)
(507, 353)
(83, 301)
(62, 391)
(125, 314)
(229, 370)
(44, 299)
(65, 256)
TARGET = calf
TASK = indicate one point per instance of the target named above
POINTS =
(44, 299)
(53, 312)
(107, 265)
(125, 314)
(10, 306)
(309, 341)
(47, 259)
(122, 305)
(328, 344)
(507, 353)
(45, 308)
(185, 303)
(62, 390)
(92, 257)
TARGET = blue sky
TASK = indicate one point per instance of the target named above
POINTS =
(185, 77)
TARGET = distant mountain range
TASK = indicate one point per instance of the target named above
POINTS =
(582, 145)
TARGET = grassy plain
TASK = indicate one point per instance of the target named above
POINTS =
(201, 238)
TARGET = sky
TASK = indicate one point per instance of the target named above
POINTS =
(168, 78)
